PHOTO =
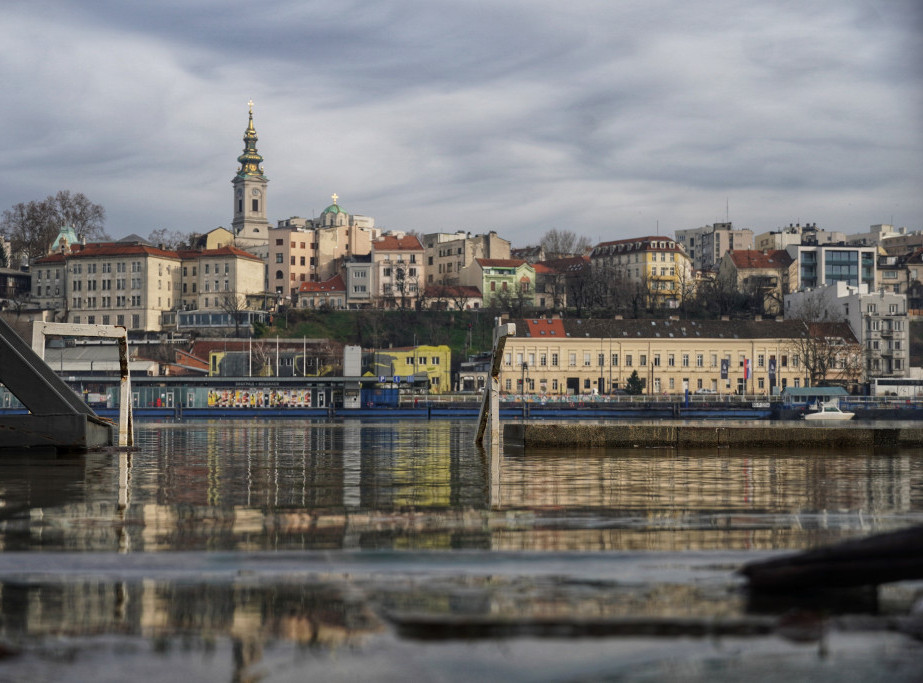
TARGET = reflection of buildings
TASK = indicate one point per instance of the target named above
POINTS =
(249, 486)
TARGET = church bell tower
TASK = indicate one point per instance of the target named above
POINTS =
(250, 189)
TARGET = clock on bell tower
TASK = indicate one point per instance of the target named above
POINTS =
(250, 188)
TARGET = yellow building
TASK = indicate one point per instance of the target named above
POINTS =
(433, 361)
(658, 266)
(560, 357)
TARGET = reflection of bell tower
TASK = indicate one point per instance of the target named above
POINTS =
(250, 188)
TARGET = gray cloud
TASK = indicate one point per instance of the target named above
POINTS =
(606, 118)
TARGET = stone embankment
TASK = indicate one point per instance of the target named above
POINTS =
(711, 435)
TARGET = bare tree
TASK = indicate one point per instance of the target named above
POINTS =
(171, 239)
(562, 243)
(234, 305)
(33, 226)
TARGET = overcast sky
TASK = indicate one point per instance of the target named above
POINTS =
(611, 118)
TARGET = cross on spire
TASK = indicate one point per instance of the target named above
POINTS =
(250, 104)
(334, 197)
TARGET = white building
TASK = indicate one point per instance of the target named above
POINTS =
(879, 321)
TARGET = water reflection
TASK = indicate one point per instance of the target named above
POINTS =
(364, 523)
(422, 485)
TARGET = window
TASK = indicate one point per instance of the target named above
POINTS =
(685, 360)
(656, 360)
(615, 360)
(760, 360)
(543, 359)
(509, 384)
(699, 361)
(280, 258)
(628, 360)
(554, 359)
(572, 359)
(643, 359)
(671, 360)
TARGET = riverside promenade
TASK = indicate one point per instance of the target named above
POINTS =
(713, 434)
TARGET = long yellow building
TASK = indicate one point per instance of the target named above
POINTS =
(559, 357)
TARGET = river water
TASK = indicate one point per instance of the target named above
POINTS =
(285, 551)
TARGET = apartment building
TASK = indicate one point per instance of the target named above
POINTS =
(502, 281)
(877, 319)
(221, 278)
(823, 264)
(303, 250)
(657, 265)
(767, 274)
(109, 283)
(796, 234)
(706, 245)
(397, 271)
(448, 254)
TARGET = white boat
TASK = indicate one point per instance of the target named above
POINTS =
(828, 410)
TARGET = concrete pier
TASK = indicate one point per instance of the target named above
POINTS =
(711, 435)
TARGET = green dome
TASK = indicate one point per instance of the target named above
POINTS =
(334, 208)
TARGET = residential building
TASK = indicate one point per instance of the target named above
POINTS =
(227, 278)
(878, 320)
(657, 266)
(14, 283)
(302, 250)
(397, 270)
(448, 254)
(328, 294)
(550, 287)
(892, 273)
(142, 287)
(706, 245)
(358, 277)
(796, 234)
(823, 264)
(574, 356)
(766, 274)
(502, 281)
(877, 236)
(110, 283)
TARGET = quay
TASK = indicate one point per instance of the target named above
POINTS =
(711, 434)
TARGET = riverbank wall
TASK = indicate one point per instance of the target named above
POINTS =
(710, 435)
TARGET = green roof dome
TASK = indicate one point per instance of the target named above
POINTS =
(334, 208)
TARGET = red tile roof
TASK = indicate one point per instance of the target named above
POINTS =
(224, 251)
(392, 243)
(754, 258)
(334, 284)
(550, 327)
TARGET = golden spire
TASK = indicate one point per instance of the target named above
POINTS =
(250, 160)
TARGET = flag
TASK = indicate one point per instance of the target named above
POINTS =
(746, 368)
